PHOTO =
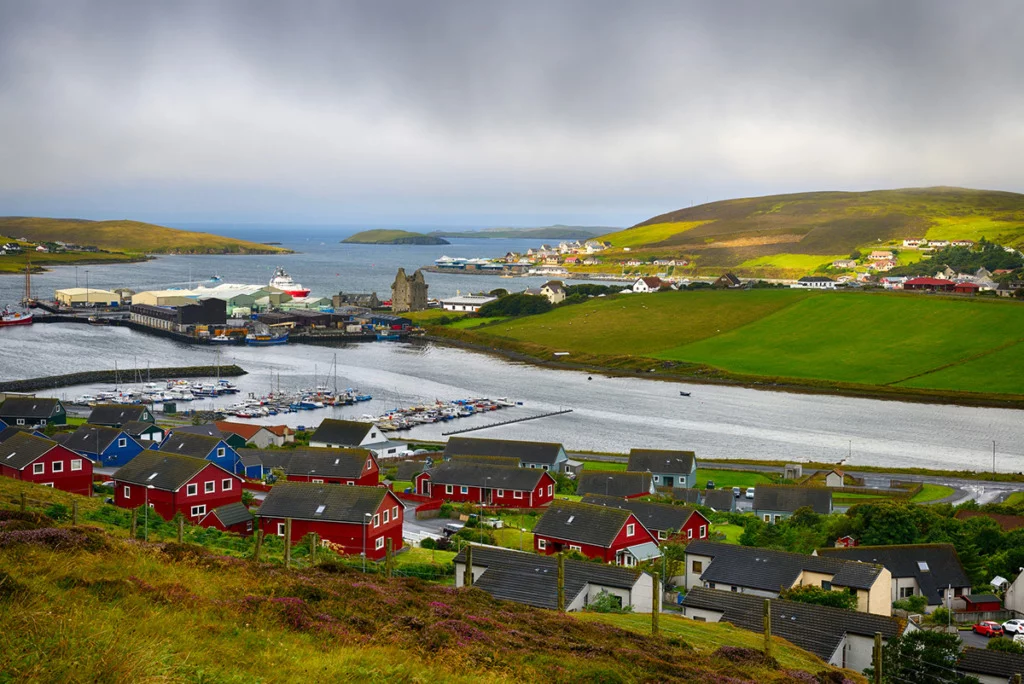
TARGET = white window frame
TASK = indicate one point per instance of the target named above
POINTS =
(394, 512)
(767, 517)
(351, 483)
(551, 492)
(448, 489)
(210, 487)
(318, 480)
(501, 493)
(657, 478)
(221, 452)
(662, 534)
(38, 468)
(575, 547)
(387, 516)
(48, 484)
(630, 529)
(517, 494)
(225, 484)
(379, 544)
(192, 489)
(127, 492)
(198, 510)
(689, 534)
(76, 464)
(57, 467)
(542, 544)
(280, 529)
(703, 531)
(21, 421)
(463, 489)
(376, 520)
(122, 443)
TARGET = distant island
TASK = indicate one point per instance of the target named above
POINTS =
(555, 232)
(393, 237)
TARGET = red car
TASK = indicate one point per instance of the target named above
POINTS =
(988, 628)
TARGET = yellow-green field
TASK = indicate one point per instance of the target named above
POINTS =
(975, 228)
(15, 263)
(650, 234)
(804, 263)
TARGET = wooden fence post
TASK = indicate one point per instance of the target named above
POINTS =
(135, 522)
(259, 546)
(768, 628)
(74, 513)
(388, 546)
(561, 582)
(181, 529)
(467, 578)
(876, 656)
(23, 502)
(312, 547)
(287, 542)
(655, 602)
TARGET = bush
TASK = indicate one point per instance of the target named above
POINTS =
(516, 305)
(941, 616)
(428, 544)
(912, 604)
(445, 511)
(608, 603)
(1005, 645)
(822, 597)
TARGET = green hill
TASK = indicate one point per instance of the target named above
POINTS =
(555, 232)
(393, 237)
(128, 236)
(788, 234)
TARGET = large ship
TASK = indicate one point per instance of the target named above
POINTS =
(10, 317)
(282, 281)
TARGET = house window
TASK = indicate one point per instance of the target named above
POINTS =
(127, 492)
(198, 510)
(464, 489)
(709, 585)
(57, 466)
(630, 530)
(379, 543)
(76, 464)
(544, 467)
(575, 547)
(376, 520)
(501, 493)
(48, 484)
(317, 481)
(447, 489)
(906, 592)
(280, 529)
(21, 421)
(533, 466)
(517, 495)
(550, 491)
(225, 484)
(248, 526)
(657, 478)
(387, 516)
(767, 517)
(122, 442)
(734, 589)
(209, 487)
(777, 517)
(662, 534)
(628, 561)
(826, 585)
(542, 544)
(38, 468)
(192, 490)
(697, 566)
(220, 452)
(703, 531)
(368, 462)
(394, 512)
(689, 534)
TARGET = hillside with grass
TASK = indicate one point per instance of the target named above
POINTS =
(782, 235)
(131, 237)
(555, 232)
(89, 603)
(393, 237)
(937, 348)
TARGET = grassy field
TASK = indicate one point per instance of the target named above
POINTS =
(129, 236)
(727, 479)
(784, 264)
(380, 236)
(975, 228)
(1015, 499)
(15, 263)
(650, 234)
(999, 372)
(932, 492)
(732, 532)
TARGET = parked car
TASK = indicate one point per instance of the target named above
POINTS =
(710, 484)
(988, 628)
(1013, 627)
(750, 492)
(451, 528)
(735, 491)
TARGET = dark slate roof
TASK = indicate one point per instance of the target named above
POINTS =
(232, 514)
(720, 499)
(87, 437)
(207, 430)
(661, 461)
(346, 432)
(943, 564)
(189, 444)
(818, 629)
(268, 458)
(163, 470)
(545, 453)
(613, 483)
(249, 459)
(328, 462)
(532, 579)
(581, 523)
(301, 500)
(653, 516)
(60, 437)
(472, 474)
(788, 498)
(137, 427)
(28, 407)
(409, 469)
(689, 495)
(115, 414)
(492, 460)
(771, 570)
(985, 662)
(23, 448)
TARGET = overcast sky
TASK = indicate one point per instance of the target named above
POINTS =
(487, 113)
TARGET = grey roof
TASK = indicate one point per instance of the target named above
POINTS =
(344, 432)
(137, 427)
(788, 498)
(22, 449)
(985, 662)
(474, 474)
(943, 565)
(302, 500)
(582, 523)
(410, 469)
(207, 430)
(12, 430)
(346, 463)
(613, 483)
(661, 461)
(268, 458)
(770, 570)
(818, 629)
(166, 471)
(532, 579)
(720, 499)
(188, 444)
(249, 459)
(89, 437)
(688, 494)
(28, 407)
(492, 460)
(232, 514)
(545, 453)
(815, 279)
(116, 414)
(653, 516)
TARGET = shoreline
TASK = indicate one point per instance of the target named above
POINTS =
(766, 384)
(49, 267)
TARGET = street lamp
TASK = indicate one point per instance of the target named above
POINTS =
(366, 523)
(146, 514)
(606, 485)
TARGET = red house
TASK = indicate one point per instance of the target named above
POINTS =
(981, 603)
(334, 466)
(929, 284)
(233, 517)
(487, 484)
(34, 459)
(612, 534)
(665, 521)
(174, 483)
(351, 520)
(623, 485)
(967, 288)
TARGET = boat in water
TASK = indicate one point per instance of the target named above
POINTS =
(223, 339)
(254, 340)
(11, 317)
(282, 281)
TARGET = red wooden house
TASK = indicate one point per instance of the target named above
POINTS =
(487, 484)
(614, 535)
(351, 520)
(666, 522)
(334, 466)
(174, 483)
(232, 517)
(34, 459)
(926, 284)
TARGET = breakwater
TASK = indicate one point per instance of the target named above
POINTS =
(118, 376)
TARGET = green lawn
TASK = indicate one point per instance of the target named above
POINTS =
(415, 554)
(474, 322)
(512, 538)
(603, 465)
(727, 479)
(805, 263)
(999, 372)
(732, 532)
(1015, 499)
(932, 492)
(649, 235)
(974, 228)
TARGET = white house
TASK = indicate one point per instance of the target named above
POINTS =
(814, 283)
(350, 434)
(834, 479)
(648, 284)
(470, 303)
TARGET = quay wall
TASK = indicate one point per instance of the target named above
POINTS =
(104, 376)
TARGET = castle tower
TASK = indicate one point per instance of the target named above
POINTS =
(408, 293)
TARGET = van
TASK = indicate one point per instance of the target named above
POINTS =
(451, 528)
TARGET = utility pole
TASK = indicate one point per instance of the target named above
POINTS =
(467, 578)
(768, 628)
(876, 656)
(181, 529)
(655, 602)
(259, 546)
(561, 582)
(287, 542)
(993, 457)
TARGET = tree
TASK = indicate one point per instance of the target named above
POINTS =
(1005, 645)
(912, 604)
(516, 305)
(888, 524)
(821, 597)
(922, 657)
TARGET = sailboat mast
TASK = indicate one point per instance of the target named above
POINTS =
(335, 373)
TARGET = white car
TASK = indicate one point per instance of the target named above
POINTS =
(1013, 627)
(750, 492)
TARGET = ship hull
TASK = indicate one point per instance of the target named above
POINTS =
(21, 320)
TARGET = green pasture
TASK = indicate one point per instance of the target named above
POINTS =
(932, 492)
(649, 235)
(998, 372)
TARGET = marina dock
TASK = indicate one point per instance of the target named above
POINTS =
(508, 422)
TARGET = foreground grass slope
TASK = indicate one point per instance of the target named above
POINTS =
(128, 236)
(77, 604)
(860, 339)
